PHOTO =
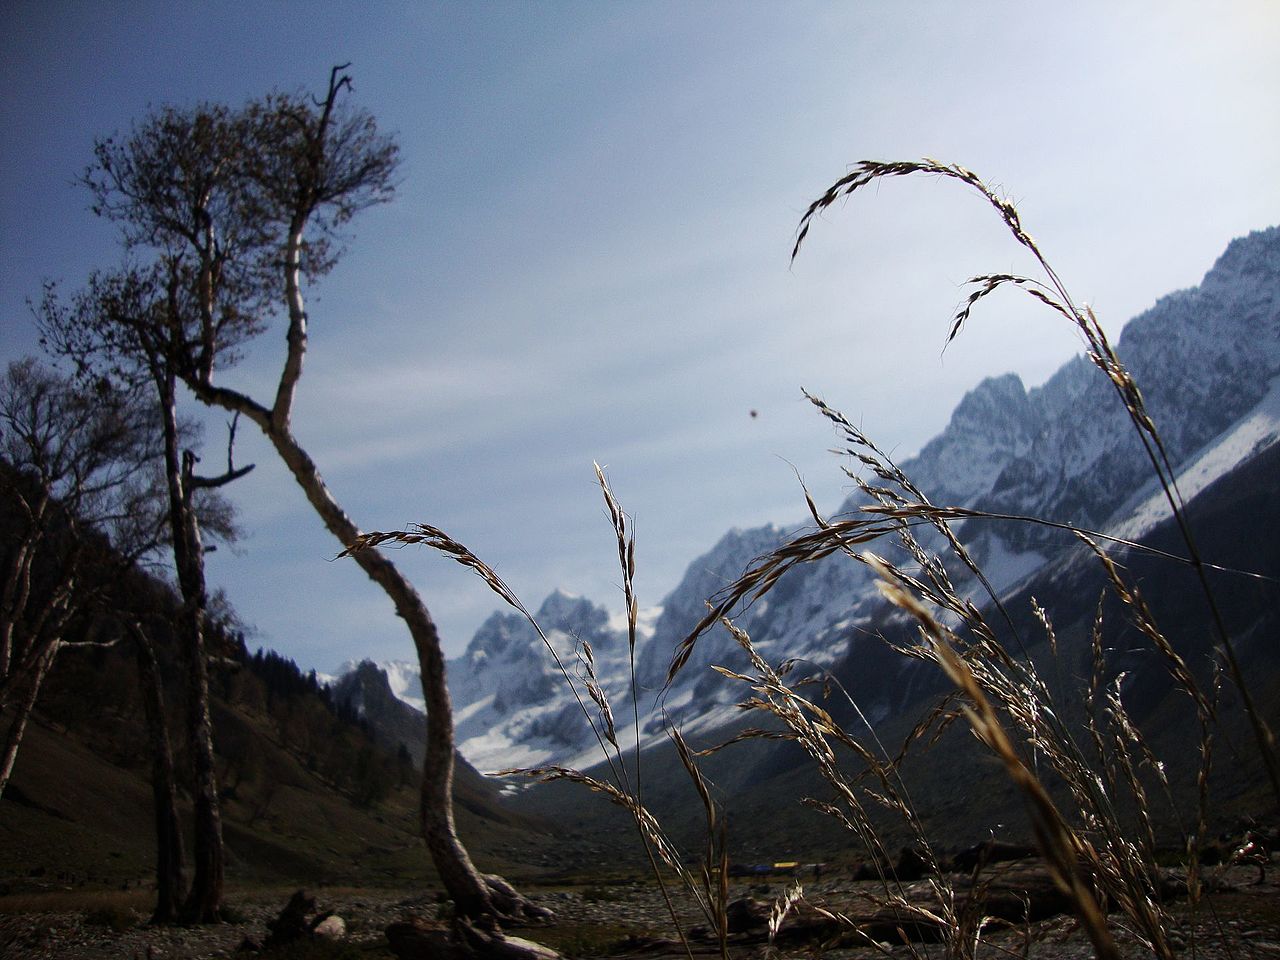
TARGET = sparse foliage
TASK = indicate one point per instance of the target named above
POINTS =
(78, 472)
(135, 327)
(233, 212)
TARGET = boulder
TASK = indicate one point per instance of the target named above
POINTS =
(332, 927)
(299, 920)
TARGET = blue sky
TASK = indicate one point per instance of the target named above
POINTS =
(587, 256)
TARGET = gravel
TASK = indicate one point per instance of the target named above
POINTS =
(1247, 924)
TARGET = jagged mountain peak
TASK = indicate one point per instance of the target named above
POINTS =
(994, 423)
(999, 395)
(368, 671)
(512, 702)
(703, 578)
(571, 614)
(500, 632)
(403, 678)
(377, 694)
(563, 616)
(1205, 357)
(1255, 255)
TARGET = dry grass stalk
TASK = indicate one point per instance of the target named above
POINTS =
(1059, 843)
(817, 733)
(1100, 352)
(711, 893)
(709, 888)
(1094, 859)
(435, 538)
(1004, 698)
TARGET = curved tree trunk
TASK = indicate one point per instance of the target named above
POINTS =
(474, 895)
(28, 646)
(469, 890)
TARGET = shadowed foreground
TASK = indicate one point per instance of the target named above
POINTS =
(612, 918)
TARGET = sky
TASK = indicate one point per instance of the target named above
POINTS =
(587, 256)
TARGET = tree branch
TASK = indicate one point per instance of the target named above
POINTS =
(229, 399)
(194, 482)
(203, 483)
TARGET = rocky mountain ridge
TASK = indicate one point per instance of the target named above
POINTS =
(512, 701)
(1207, 360)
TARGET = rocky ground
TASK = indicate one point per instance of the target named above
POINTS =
(1244, 921)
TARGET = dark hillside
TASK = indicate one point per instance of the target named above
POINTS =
(365, 696)
(309, 795)
(1237, 524)
(962, 796)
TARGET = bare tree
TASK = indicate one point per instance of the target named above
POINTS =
(132, 327)
(76, 466)
(239, 210)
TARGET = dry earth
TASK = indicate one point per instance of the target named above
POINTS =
(1242, 921)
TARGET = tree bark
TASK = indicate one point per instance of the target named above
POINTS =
(22, 712)
(28, 645)
(467, 887)
(204, 903)
(171, 881)
(309, 189)
(464, 883)
(17, 589)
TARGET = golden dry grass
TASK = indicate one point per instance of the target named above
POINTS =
(1094, 827)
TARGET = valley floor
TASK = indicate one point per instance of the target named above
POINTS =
(593, 921)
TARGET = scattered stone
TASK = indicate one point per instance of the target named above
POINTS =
(291, 923)
(332, 927)
(1214, 935)
(299, 920)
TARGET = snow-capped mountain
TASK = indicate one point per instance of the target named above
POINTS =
(804, 616)
(1208, 362)
(1206, 359)
(512, 702)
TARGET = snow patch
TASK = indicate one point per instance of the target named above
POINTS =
(1005, 567)
(1255, 432)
